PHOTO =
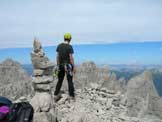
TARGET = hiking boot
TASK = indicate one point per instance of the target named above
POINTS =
(56, 98)
(72, 99)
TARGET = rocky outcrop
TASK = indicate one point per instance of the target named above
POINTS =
(42, 83)
(95, 105)
(14, 81)
(88, 73)
(142, 97)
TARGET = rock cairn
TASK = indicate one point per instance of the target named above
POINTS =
(42, 84)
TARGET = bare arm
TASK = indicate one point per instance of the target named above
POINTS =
(72, 62)
(72, 59)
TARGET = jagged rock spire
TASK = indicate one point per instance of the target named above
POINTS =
(142, 97)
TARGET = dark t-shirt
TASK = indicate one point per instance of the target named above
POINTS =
(64, 50)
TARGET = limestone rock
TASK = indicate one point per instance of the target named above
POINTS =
(111, 82)
(43, 80)
(64, 98)
(109, 104)
(142, 85)
(88, 74)
(14, 80)
(38, 58)
(21, 99)
(116, 102)
(85, 109)
(154, 106)
(44, 117)
(42, 87)
(38, 72)
(41, 102)
(141, 95)
(40, 62)
(38, 48)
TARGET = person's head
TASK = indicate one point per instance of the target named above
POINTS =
(67, 37)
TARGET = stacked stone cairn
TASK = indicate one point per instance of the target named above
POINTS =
(42, 84)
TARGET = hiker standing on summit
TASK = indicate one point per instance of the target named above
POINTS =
(65, 63)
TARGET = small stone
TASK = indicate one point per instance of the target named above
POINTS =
(42, 87)
(104, 89)
(37, 45)
(101, 100)
(44, 117)
(116, 102)
(43, 80)
(109, 104)
(94, 85)
(38, 72)
(63, 99)
(21, 99)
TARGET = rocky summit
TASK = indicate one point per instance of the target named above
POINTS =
(95, 105)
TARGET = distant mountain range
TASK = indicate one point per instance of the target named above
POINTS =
(127, 71)
(28, 68)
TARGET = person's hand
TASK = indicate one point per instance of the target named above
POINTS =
(74, 70)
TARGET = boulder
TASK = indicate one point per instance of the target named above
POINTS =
(43, 80)
(44, 117)
(42, 102)
(42, 87)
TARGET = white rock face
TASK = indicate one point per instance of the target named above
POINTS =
(88, 73)
(142, 97)
(14, 80)
(41, 102)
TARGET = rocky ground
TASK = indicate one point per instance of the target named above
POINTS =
(95, 105)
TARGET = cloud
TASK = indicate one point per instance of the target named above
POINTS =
(89, 21)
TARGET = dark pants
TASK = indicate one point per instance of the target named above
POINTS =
(61, 76)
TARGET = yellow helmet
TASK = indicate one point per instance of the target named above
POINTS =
(67, 36)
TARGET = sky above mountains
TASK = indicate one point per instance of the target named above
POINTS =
(118, 53)
(89, 21)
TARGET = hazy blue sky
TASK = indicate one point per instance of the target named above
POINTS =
(119, 53)
(89, 21)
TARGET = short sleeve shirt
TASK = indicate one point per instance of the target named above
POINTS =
(64, 50)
